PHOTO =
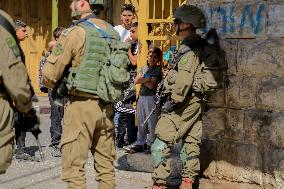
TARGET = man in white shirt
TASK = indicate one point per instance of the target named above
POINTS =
(126, 17)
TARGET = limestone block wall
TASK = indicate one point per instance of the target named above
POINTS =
(243, 136)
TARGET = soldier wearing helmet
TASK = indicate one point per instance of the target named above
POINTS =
(181, 118)
(87, 120)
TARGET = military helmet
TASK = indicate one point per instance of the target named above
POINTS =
(98, 2)
(190, 14)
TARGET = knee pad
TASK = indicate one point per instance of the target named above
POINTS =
(184, 155)
(157, 151)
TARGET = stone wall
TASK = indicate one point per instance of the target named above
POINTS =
(243, 138)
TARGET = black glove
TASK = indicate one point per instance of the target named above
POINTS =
(168, 107)
(30, 122)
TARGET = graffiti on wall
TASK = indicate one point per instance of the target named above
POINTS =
(236, 20)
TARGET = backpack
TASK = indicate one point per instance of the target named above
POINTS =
(103, 70)
(114, 73)
(210, 71)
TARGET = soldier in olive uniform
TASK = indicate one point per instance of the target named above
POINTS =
(87, 120)
(20, 135)
(14, 88)
(182, 120)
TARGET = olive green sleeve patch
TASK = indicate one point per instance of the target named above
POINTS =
(13, 45)
(58, 49)
(184, 60)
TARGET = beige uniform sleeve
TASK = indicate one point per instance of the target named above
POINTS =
(184, 76)
(68, 50)
(13, 73)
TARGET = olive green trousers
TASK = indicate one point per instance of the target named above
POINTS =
(183, 124)
(6, 135)
(88, 126)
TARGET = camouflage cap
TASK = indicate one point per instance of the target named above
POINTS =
(190, 14)
(98, 2)
(20, 23)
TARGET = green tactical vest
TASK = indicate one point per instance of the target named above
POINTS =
(102, 61)
(85, 77)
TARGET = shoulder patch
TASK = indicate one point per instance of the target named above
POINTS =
(184, 60)
(13, 45)
(66, 31)
(58, 50)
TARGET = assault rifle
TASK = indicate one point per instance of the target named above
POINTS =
(161, 98)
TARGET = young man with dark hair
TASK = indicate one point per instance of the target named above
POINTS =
(125, 107)
(134, 46)
(127, 15)
(56, 110)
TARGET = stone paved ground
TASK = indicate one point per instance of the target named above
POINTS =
(46, 175)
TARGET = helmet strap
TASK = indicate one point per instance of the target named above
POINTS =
(181, 30)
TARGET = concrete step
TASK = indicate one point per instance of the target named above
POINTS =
(221, 184)
(141, 162)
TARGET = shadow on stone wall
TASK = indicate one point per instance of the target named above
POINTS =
(243, 136)
(243, 124)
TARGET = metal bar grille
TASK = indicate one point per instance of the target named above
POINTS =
(155, 25)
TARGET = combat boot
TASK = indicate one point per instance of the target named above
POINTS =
(156, 186)
(26, 157)
(186, 183)
(135, 149)
(147, 150)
